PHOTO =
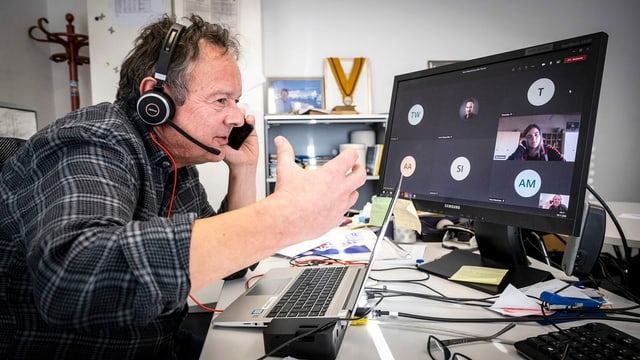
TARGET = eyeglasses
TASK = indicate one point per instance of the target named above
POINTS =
(438, 349)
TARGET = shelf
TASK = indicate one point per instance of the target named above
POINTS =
(328, 117)
(369, 177)
(320, 135)
(325, 119)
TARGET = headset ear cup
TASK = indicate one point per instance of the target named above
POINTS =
(155, 107)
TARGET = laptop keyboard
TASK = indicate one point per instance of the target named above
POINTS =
(589, 341)
(311, 294)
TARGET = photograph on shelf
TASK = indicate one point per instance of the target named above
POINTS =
(347, 83)
(437, 63)
(294, 95)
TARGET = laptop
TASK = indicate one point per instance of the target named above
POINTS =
(262, 303)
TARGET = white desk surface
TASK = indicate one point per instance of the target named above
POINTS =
(398, 338)
(628, 215)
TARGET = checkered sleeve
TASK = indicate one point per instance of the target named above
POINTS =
(98, 253)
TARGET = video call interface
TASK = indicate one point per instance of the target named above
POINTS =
(459, 136)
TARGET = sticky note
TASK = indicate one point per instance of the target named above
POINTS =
(479, 274)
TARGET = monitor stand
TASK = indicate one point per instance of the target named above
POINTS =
(518, 275)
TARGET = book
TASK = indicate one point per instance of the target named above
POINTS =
(373, 160)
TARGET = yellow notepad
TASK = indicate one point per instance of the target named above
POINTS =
(479, 274)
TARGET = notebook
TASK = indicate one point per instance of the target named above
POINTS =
(261, 303)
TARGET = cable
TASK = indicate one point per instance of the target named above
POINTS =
(175, 170)
(202, 306)
(410, 281)
(173, 194)
(507, 319)
(625, 244)
(314, 260)
(483, 302)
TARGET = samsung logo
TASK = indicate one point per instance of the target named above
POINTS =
(451, 206)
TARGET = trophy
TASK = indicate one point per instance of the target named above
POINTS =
(346, 85)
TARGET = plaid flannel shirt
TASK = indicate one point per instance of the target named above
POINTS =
(90, 265)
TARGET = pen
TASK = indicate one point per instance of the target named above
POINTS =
(346, 222)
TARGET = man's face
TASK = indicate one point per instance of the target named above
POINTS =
(210, 110)
(469, 108)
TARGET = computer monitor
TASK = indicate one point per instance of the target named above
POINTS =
(467, 138)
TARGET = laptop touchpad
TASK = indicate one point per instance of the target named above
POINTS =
(268, 287)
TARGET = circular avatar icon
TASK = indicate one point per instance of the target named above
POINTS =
(408, 166)
(460, 168)
(541, 91)
(415, 114)
(527, 183)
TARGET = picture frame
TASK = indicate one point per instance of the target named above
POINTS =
(361, 94)
(17, 121)
(304, 93)
(436, 63)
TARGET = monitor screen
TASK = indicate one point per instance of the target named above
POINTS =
(504, 140)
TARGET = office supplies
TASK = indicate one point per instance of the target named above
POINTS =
(273, 297)
(589, 341)
(558, 302)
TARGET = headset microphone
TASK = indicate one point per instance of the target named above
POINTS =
(214, 151)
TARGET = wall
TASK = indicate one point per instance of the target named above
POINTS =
(401, 36)
(27, 75)
(108, 49)
(398, 37)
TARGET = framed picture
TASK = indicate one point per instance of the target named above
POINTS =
(435, 63)
(16, 121)
(361, 96)
(294, 95)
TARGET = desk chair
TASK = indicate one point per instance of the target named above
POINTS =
(8, 147)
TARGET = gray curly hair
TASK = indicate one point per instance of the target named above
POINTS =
(141, 60)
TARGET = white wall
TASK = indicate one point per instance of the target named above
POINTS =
(108, 49)
(398, 37)
(28, 77)
(401, 36)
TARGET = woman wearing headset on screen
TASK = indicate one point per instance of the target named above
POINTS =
(532, 147)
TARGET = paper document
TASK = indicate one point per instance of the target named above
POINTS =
(479, 274)
(346, 244)
(512, 302)
(405, 216)
(339, 243)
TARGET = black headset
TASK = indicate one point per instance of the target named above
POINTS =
(155, 107)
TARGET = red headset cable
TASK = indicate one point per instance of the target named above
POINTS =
(175, 170)
(173, 193)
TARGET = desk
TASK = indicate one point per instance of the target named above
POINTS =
(628, 215)
(398, 338)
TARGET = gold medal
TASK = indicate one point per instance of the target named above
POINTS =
(346, 85)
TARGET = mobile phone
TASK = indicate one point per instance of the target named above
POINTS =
(239, 134)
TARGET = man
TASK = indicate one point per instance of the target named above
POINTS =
(556, 205)
(283, 104)
(468, 110)
(105, 228)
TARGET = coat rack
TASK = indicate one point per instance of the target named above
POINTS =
(72, 43)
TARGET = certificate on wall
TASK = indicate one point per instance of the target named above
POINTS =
(336, 90)
(17, 122)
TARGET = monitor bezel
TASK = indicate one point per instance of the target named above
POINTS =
(569, 225)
